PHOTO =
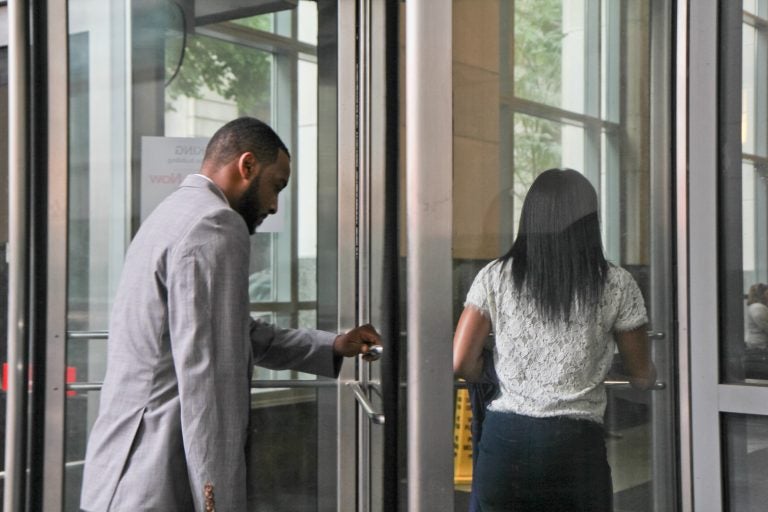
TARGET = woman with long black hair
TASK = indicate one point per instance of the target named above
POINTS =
(557, 309)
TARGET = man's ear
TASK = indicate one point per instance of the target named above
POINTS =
(247, 166)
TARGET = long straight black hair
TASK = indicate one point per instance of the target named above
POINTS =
(557, 256)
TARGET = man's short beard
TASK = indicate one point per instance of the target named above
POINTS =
(248, 205)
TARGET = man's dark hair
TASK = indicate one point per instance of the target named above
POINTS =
(557, 256)
(242, 135)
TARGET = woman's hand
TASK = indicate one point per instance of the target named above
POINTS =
(635, 350)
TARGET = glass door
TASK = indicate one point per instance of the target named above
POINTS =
(148, 83)
(586, 85)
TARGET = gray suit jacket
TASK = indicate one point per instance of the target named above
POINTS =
(175, 404)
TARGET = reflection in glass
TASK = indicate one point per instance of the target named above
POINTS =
(307, 22)
(217, 81)
(264, 22)
(539, 40)
(753, 361)
(744, 201)
(748, 89)
(305, 175)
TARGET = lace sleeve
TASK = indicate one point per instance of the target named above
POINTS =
(632, 313)
(478, 295)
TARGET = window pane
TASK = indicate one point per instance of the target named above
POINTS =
(306, 180)
(217, 82)
(744, 205)
(748, 106)
(557, 53)
(307, 22)
(610, 59)
(746, 452)
(539, 40)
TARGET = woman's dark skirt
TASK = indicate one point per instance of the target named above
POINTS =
(542, 464)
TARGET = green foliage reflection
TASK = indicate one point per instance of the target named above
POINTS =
(537, 77)
(235, 72)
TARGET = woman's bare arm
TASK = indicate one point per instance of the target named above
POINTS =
(635, 350)
(468, 343)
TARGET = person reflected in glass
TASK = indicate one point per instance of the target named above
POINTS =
(558, 309)
(756, 336)
(756, 333)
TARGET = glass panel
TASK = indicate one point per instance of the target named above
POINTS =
(283, 458)
(746, 451)
(307, 180)
(557, 55)
(749, 49)
(539, 55)
(307, 18)
(216, 82)
(568, 55)
(744, 202)
(610, 59)
(179, 87)
(99, 216)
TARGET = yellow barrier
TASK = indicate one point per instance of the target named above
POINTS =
(462, 439)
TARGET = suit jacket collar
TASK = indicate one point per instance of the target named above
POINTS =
(200, 181)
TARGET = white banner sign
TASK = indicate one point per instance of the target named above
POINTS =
(166, 161)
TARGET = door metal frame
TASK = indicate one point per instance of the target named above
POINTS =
(347, 307)
(429, 210)
(27, 339)
(682, 230)
(18, 165)
(58, 215)
(701, 217)
(698, 162)
(663, 404)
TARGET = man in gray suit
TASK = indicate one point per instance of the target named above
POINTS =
(174, 408)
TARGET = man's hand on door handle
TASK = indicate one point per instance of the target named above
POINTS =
(359, 340)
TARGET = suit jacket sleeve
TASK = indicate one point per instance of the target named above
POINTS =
(208, 309)
(305, 350)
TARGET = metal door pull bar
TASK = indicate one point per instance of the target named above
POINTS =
(460, 384)
(625, 383)
(374, 416)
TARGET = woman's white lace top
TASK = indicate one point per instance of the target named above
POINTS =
(557, 369)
